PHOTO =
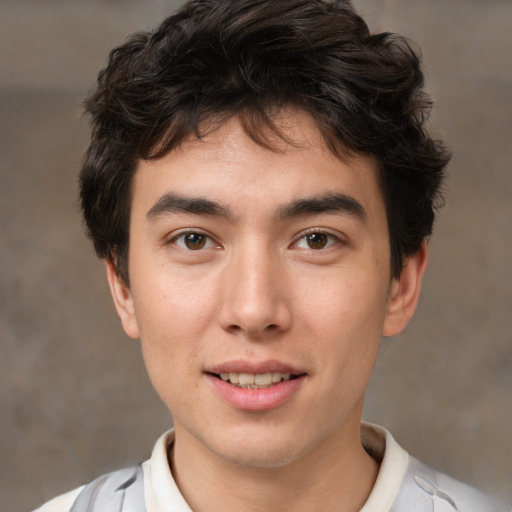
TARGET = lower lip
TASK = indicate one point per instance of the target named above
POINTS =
(256, 399)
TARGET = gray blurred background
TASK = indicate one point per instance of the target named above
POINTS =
(75, 399)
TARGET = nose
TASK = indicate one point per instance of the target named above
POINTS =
(254, 295)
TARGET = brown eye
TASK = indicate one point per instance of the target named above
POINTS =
(194, 241)
(317, 240)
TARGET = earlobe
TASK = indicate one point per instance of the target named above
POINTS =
(405, 292)
(123, 301)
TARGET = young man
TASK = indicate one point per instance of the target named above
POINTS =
(261, 185)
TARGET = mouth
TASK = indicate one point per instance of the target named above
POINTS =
(255, 386)
(255, 380)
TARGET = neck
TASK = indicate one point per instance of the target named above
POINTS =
(336, 476)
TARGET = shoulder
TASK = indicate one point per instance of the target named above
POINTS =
(61, 503)
(124, 490)
(121, 490)
(404, 484)
(424, 488)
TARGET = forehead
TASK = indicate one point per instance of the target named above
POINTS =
(226, 165)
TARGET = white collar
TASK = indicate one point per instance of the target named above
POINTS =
(163, 495)
(381, 445)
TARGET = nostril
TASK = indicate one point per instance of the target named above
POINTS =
(271, 328)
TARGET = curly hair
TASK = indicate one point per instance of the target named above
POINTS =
(216, 59)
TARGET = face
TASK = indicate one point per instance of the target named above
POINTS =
(260, 288)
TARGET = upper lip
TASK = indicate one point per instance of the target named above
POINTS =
(243, 366)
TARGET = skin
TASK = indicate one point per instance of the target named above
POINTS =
(253, 290)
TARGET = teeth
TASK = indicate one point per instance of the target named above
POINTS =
(245, 379)
(253, 381)
(276, 376)
(263, 379)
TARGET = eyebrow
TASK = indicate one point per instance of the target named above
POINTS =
(327, 203)
(173, 203)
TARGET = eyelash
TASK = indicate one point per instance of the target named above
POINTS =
(183, 234)
(331, 241)
(208, 242)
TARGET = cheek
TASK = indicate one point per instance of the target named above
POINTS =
(346, 325)
(173, 305)
(171, 334)
(348, 310)
(173, 318)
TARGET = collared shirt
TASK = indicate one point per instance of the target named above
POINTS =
(403, 485)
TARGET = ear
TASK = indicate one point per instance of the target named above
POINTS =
(123, 301)
(404, 293)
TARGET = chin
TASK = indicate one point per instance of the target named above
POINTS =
(260, 449)
(261, 457)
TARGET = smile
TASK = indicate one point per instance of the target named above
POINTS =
(255, 380)
(248, 391)
(255, 386)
